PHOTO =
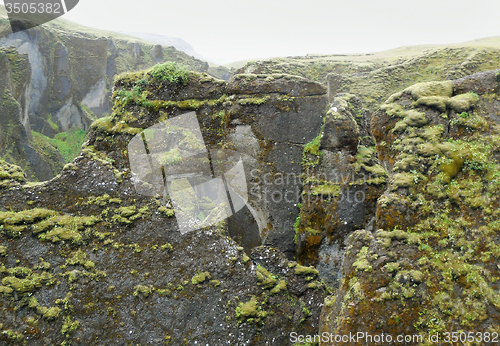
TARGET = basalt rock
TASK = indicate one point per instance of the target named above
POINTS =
(425, 267)
(89, 260)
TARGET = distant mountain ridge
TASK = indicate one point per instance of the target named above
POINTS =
(169, 41)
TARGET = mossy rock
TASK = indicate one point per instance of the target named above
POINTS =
(428, 149)
(438, 102)
(281, 286)
(302, 270)
(6, 290)
(146, 291)
(430, 89)
(200, 278)
(404, 180)
(266, 279)
(463, 102)
(393, 109)
(453, 168)
(406, 164)
(26, 216)
(414, 118)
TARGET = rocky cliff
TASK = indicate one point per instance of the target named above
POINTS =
(430, 264)
(84, 253)
(361, 217)
(66, 84)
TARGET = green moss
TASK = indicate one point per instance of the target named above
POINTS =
(200, 278)
(392, 267)
(281, 286)
(26, 216)
(50, 314)
(107, 126)
(463, 102)
(433, 134)
(215, 283)
(428, 149)
(250, 311)
(170, 71)
(438, 102)
(69, 326)
(404, 179)
(6, 290)
(80, 258)
(455, 165)
(167, 247)
(13, 335)
(400, 126)
(3, 251)
(28, 284)
(330, 190)
(330, 301)
(264, 278)
(245, 258)
(420, 90)
(168, 212)
(253, 100)
(393, 109)
(144, 290)
(62, 234)
(127, 211)
(170, 157)
(302, 270)
(362, 263)
(67, 143)
(313, 146)
(414, 118)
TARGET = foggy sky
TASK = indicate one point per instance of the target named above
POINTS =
(243, 29)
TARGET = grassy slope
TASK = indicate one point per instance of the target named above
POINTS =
(387, 55)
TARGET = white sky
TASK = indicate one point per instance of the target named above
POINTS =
(231, 30)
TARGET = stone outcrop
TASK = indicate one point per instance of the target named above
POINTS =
(427, 266)
(268, 129)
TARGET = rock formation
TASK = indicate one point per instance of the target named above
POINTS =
(364, 216)
(65, 83)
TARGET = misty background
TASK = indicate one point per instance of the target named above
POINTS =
(225, 31)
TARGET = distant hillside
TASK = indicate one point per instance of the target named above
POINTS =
(378, 75)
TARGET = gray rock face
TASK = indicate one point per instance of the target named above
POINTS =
(69, 116)
(269, 130)
(15, 132)
(341, 131)
(30, 45)
(274, 83)
(157, 54)
(96, 99)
